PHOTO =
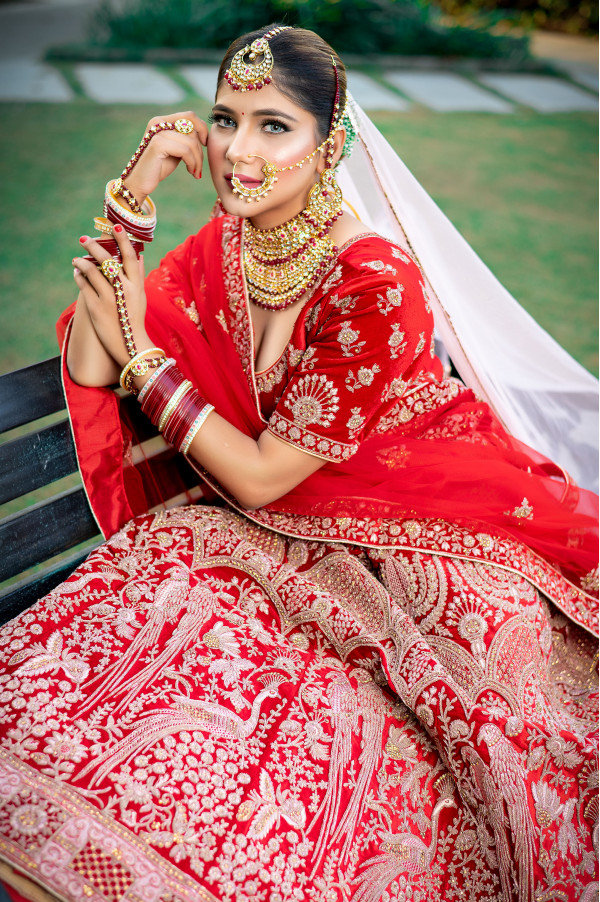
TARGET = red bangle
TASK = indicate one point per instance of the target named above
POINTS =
(142, 234)
(179, 418)
(182, 423)
(156, 399)
(110, 245)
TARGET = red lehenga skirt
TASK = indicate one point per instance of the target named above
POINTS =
(207, 710)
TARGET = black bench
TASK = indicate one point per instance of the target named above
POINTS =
(32, 537)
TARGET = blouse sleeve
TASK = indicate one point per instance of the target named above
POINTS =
(374, 332)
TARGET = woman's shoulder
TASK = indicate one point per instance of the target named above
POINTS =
(368, 266)
(376, 254)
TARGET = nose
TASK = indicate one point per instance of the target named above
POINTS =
(237, 150)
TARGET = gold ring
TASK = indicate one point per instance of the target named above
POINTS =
(184, 126)
(111, 268)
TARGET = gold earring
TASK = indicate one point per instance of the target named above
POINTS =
(325, 199)
(269, 170)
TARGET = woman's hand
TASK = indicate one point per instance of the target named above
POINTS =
(164, 153)
(99, 296)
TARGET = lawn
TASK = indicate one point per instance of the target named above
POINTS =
(522, 188)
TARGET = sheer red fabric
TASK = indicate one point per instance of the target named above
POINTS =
(412, 459)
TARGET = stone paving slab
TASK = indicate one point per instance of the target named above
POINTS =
(542, 92)
(372, 96)
(447, 92)
(26, 79)
(127, 83)
(584, 75)
(203, 79)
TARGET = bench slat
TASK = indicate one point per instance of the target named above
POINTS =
(36, 460)
(46, 529)
(30, 393)
(18, 597)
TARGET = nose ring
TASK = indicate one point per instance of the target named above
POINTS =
(269, 170)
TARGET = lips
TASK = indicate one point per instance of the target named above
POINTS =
(244, 179)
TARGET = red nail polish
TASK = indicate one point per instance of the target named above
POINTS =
(84, 238)
(118, 228)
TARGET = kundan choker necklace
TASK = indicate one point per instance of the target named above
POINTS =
(283, 263)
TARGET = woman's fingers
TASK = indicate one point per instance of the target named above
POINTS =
(92, 275)
(193, 142)
(128, 255)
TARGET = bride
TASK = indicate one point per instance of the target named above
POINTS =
(368, 671)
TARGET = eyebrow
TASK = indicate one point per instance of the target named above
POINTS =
(278, 113)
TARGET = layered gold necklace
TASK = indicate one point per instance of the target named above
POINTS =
(283, 263)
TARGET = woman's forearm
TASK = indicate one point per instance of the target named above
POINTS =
(88, 361)
(255, 472)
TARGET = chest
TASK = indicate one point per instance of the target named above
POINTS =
(272, 331)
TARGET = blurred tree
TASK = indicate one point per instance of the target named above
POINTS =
(355, 26)
(570, 16)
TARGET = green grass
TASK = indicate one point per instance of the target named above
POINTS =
(522, 188)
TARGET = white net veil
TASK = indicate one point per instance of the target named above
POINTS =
(539, 392)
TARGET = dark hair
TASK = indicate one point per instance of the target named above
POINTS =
(302, 70)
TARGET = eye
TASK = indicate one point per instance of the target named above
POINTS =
(274, 127)
(221, 120)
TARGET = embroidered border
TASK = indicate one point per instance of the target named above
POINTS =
(88, 848)
(309, 441)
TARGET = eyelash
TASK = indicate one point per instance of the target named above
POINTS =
(221, 118)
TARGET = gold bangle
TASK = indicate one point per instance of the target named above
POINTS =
(173, 402)
(104, 225)
(143, 367)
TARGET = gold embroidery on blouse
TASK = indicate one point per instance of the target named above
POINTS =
(356, 421)
(396, 342)
(420, 345)
(380, 266)
(393, 298)
(348, 339)
(313, 399)
(364, 376)
(400, 255)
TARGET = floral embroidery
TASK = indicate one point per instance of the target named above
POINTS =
(400, 254)
(364, 376)
(590, 582)
(348, 339)
(524, 511)
(356, 420)
(393, 298)
(396, 341)
(380, 266)
(344, 303)
(426, 298)
(331, 280)
(420, 345)
(333, 450)
(222, 320)
(313, 400)
(190, 310)
(395, 389)
(394, 458)
(266, 381)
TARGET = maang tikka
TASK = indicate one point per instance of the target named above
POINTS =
(250, 69)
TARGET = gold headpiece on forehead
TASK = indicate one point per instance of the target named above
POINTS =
(250, 68)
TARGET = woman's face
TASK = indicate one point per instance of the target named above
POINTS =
(268, 123)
